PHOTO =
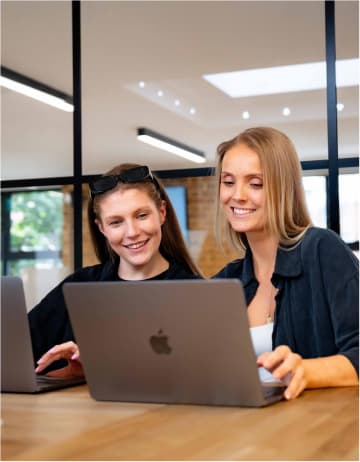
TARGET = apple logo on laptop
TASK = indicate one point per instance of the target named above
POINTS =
(159, 343)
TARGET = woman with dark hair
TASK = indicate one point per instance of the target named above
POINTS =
(136, 237)
(301, 283)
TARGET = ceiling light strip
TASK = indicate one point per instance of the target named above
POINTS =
(36, 90)
(167, 144)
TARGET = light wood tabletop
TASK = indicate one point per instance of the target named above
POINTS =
(69, 425)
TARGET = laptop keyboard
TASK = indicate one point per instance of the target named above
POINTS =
(273, 389)
(43, 382)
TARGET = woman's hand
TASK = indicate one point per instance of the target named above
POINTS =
(68, 351)
(286, 366)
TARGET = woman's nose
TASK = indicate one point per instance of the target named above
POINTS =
(132, 228)
(239, 192)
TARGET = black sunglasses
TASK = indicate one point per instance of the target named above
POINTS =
(133, 175)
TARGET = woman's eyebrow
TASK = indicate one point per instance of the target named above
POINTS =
(248, 175)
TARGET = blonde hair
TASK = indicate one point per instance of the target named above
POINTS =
(287, 214)
(172, 245)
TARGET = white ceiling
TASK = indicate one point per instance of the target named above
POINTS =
(169, 45)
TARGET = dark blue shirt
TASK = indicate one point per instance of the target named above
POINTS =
(317, 304)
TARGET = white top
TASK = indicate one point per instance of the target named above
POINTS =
(261, 337)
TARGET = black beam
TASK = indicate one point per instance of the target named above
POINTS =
(36, 182)
(331, 99)
(345, 162)
(77, 134)
(34, 255)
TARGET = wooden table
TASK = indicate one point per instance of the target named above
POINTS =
(69, 425)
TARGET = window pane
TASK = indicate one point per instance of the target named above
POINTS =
(19, 267)
(347, 47)
(36, 221)
(315, 193)
(37, 239)
(349, 207)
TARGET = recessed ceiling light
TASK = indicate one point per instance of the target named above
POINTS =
(160, 93)
(177, 102)
(141, 84)
(340, 107)
(286, 111)
(284, 79)
(192, 110)
(245, 115)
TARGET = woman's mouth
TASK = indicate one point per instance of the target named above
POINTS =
(136, 245)
(240, 212)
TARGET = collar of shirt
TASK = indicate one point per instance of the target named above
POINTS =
(288, 264)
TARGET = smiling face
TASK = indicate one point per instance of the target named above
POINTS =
(241, 190)
(131, 222)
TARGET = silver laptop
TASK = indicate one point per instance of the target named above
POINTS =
(17, 363)
(167, 342)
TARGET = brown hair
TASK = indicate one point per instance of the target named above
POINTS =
(172, 245)
(287, 214)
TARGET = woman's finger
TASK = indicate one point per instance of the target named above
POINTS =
(297, 383)
(63, 351)
(289, 365)
(271, 360)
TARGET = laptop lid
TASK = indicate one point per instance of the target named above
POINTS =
(17, 362)
(166, 342)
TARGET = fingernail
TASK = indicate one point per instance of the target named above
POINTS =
(40, 361)
(287, 395)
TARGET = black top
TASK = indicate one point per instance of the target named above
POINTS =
(49, 320)
(317, 304)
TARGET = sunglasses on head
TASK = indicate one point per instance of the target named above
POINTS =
(133, 175)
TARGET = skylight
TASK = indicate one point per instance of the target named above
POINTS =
(284, 79)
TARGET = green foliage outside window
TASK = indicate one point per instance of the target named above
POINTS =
(36, 221)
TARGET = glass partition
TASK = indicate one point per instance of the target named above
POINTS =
(36, 138)
(347, 49)
(164, 68)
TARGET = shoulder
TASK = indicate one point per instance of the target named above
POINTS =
(324, 241)
(232, 269)
(178, 271)
(326, 248)
(99, 272)
(316, 235)
(96, 272)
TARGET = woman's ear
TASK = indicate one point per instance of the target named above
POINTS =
(162, 211)
(100, 226)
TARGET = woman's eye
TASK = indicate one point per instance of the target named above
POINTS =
(115, 223)
(256, 185)
(142, 216)
(227, 182)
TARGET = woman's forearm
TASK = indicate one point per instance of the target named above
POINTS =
(330, 371)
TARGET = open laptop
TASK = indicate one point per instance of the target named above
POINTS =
(17, 363)
(167, 342)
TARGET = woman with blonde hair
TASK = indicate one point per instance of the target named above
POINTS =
(136, 237)
(301, 283)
